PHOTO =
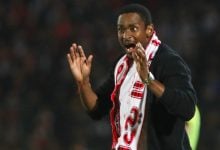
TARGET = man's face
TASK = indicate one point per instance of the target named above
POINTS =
(131, 30)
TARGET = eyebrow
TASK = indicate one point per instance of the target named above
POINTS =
(135, 24)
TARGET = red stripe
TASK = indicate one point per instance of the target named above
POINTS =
(115, 108)
(137, 94)
(138, 85)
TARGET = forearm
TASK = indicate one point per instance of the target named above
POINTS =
(180, 102)
(87, 95)
(157, 88)
(177, 101)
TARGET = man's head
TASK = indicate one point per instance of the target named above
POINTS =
(134, 25)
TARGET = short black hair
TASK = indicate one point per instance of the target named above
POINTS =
(139, 9)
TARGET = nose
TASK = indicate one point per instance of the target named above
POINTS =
(126, 35)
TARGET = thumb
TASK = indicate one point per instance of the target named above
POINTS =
(90, 58)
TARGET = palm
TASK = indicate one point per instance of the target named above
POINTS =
(85, 69)
(80, 66)
(76, 69)
(141, 62)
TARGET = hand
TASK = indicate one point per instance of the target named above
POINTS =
(141, 61)
(80, 65)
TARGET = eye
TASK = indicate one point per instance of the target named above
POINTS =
(133, 29)
(120, 30)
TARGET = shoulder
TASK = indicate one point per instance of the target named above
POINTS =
(166, 55)
(168, 60)
(165, 52)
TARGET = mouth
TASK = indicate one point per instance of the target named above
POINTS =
(130, 45)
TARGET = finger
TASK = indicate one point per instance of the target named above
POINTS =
(75, 50)
(140, 49)
(142, 56)
(138, 67)
(69, 58)
(72, 53)
(137, 54)
(140, 62)
(74, 47)
(81, 51)
(136, 58)
(140, 52)
(139, 45)
(89, 61)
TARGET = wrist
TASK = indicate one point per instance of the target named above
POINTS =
(149, 79)
(83, 83)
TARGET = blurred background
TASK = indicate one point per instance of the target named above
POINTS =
(39, 104)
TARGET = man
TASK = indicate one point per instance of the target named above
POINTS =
(149, 94)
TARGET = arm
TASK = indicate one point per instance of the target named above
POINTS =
(179, 97)
(87, 95)
(174, 89)
(80, 67)
(155, 86)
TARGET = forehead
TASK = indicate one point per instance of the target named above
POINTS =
(129, 18)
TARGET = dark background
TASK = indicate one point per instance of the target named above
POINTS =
(39, 105)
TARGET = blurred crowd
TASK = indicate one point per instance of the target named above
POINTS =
(40, 108)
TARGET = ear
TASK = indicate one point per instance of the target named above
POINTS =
(149, 30)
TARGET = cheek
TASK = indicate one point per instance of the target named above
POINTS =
(141, 37)
(120, 41)
(119, 38)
